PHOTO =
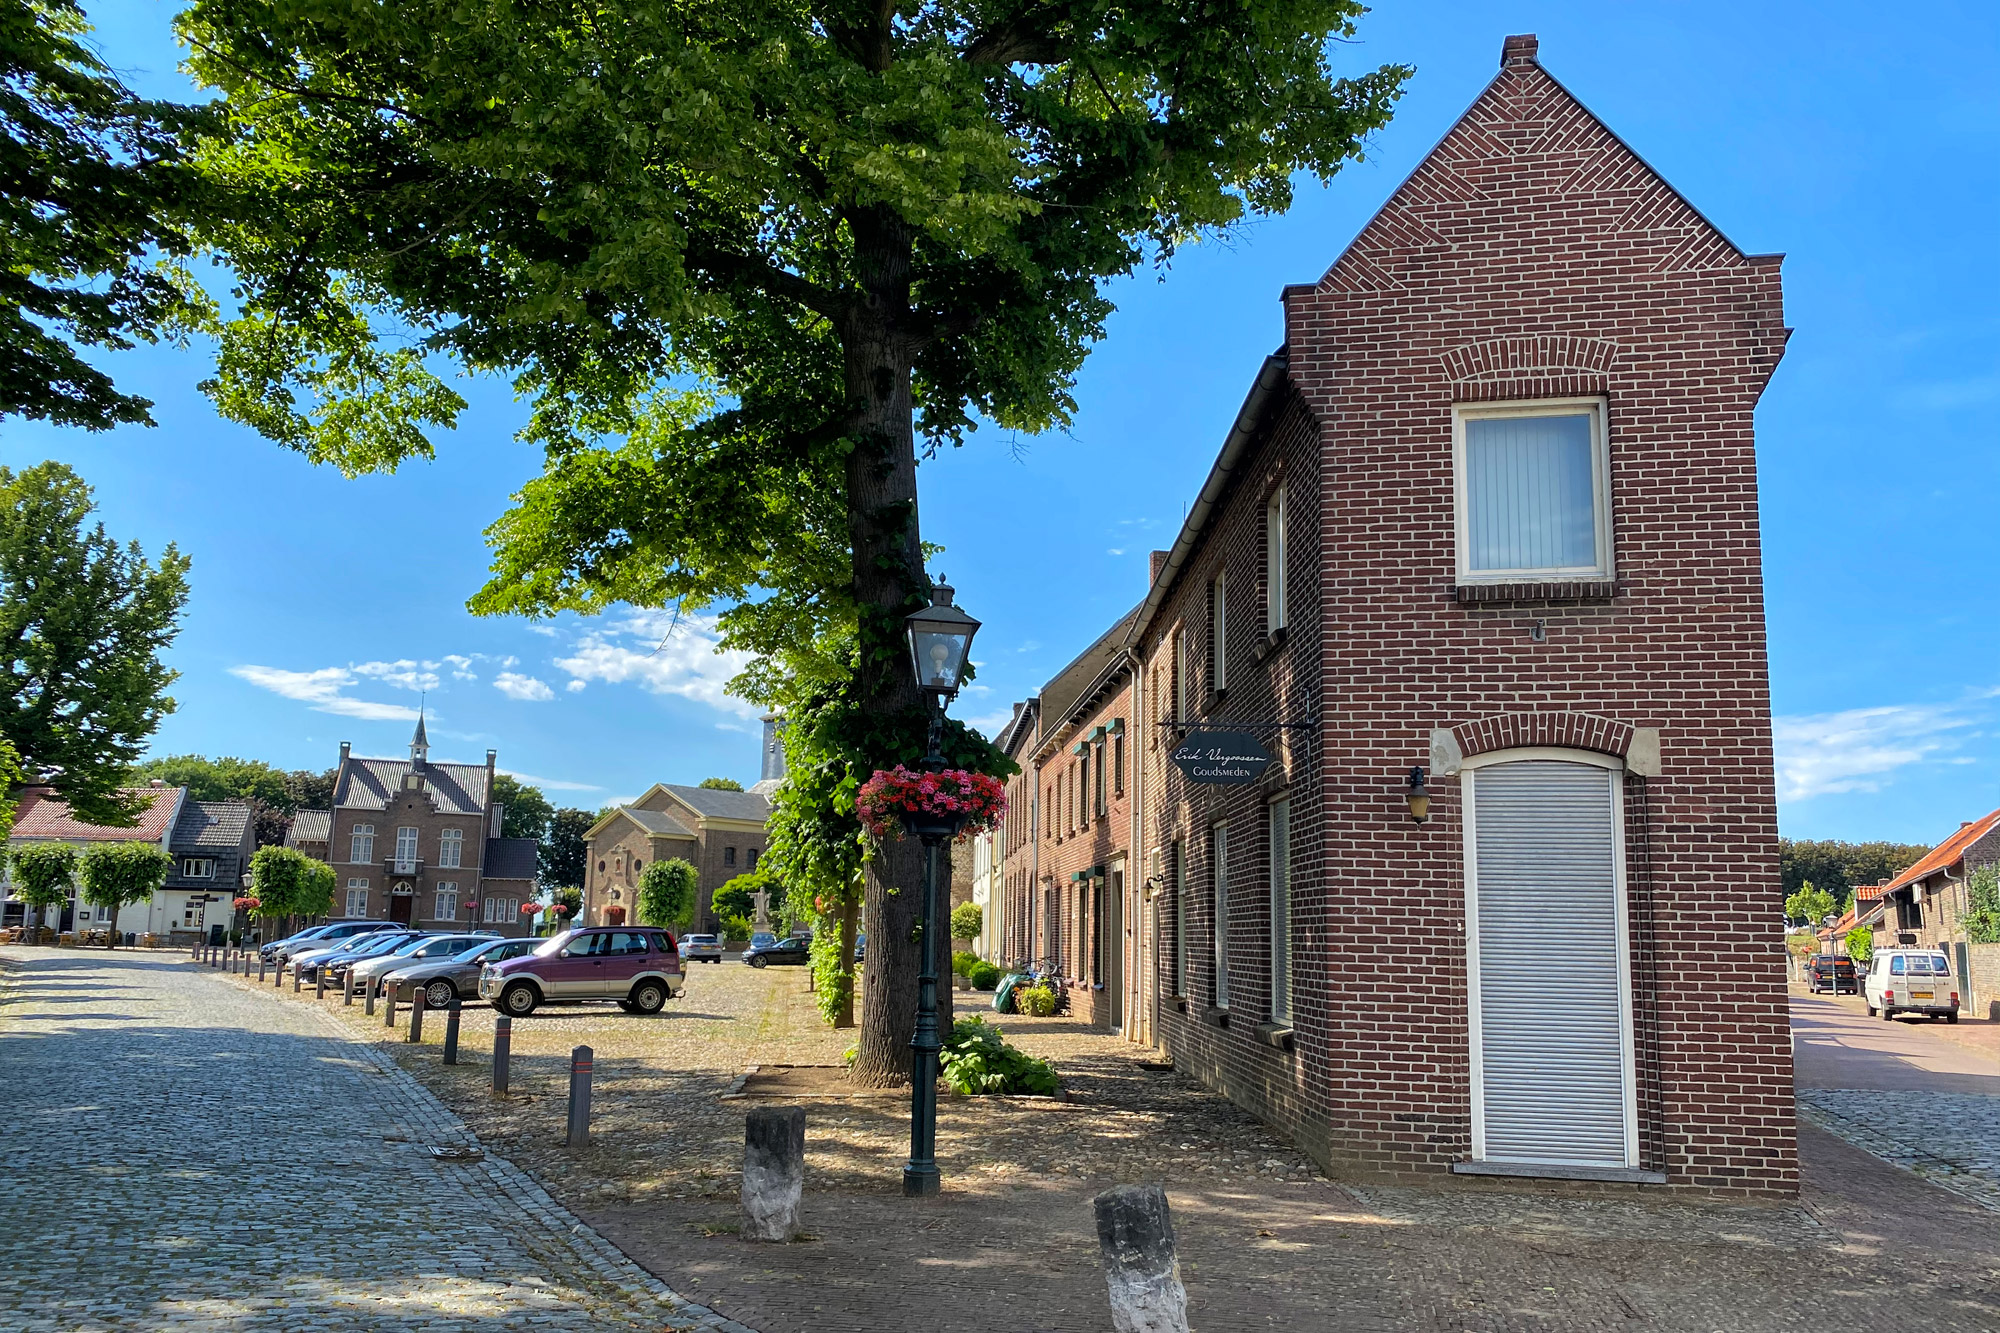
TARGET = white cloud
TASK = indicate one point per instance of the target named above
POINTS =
(662, 654)
(577, 686)
(548, 784)
(1115, 550)
(1856, 749)
(523, 689)
(322, 690)
(403, 674)
(457, 660)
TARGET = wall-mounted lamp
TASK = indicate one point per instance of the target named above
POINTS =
(1419, 796)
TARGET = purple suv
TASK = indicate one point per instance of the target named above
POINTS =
(638, 966)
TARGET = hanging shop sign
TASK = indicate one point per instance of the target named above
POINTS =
(1221, 758)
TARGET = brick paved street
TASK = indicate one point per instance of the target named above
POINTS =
(184, 1155)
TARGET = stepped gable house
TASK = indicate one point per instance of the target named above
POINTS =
(1489, 513)
(418, 841)
(721, 833)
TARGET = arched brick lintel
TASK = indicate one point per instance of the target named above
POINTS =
(1569, 731)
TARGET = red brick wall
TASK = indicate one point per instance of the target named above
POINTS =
(1530, 256)
(1088, 840)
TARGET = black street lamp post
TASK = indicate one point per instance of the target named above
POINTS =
(940, 645)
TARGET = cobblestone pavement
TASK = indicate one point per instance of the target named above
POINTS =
(1949, 1138)
(1265, 1241)
(183, 1155)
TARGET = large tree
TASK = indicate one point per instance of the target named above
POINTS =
(83, 622)
(565, 854)
(525, 812)
(746, 262)
(1839, 867)
(93, 178)
(117, 873)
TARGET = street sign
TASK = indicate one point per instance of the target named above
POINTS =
(1221, 758)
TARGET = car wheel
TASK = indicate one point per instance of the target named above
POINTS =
(439, 994)
(1951, 1018)
(648, 997)
(626, 1005)
(519, 1000)
(758, 961)
(1871, 1011)
(1888, 1015)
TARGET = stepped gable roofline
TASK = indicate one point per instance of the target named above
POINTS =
(511, 858)
(1519, 54)
(1945, 855)
(1273, 377)
(42, 816)
(310, 826)
(366, 784)
(211, 825)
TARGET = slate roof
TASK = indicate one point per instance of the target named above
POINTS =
(1946, 853)
(44, 815)
(212, 826)
(310, 826)
(715, 804)
(458, 789)
(657, 821)
(510, 858)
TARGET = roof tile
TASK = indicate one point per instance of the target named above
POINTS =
(44, 815)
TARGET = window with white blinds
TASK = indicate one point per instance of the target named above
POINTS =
(1546, 947)
(1532, 494)
(1281, 911)
(1218, 867)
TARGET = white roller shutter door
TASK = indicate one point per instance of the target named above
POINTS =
(1551, 1007)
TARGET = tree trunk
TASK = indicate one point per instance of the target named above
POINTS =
(889, 582)
(850, 920)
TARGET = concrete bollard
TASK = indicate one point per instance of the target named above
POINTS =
(347, 989)
(260, 967)
(580, 1061)
(319, 984)
(278, 977)
(1135, 1243)
(389, 1008)
(368, 998)
(296, 979)
(774, 1172)
(451, 1033)
(416, 1014)
(503, 1050)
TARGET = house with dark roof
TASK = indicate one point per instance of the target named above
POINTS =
(309, 832)
(1927, 904)
(721, 833)
(417, 841)
(210, 842)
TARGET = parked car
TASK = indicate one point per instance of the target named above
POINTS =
(639, 966)
(1826, 972)
(280, 951)
(419, 946)
(453, 976)
(795, 950)
(701, 949)
(1911, 981)
(336, 959)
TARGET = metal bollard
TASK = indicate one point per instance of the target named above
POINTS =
(451, 1033)
(389, 1013)
(347, 990)
(416, 1014)
(503, 1049)
(580, 1061)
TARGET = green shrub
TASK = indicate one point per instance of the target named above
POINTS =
(1861, 945)
(983, 976)
(966, 919)
(963, 962)
(977, 1062)
(735, 929)
(1036, 1001)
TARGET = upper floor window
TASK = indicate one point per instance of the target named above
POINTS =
(451, 848)
(729, 856)
(1097, 797)
(1118, 762)
(1083, 801)
(406, 850)
(1218, 634)
(198, 867)
(1274, 562)
(1183, 677)
(750, 859)
(361, 847)
(1533, 491)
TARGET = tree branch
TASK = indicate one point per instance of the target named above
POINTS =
(1024, 39)
(772, 281)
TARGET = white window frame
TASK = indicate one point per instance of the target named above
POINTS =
(357, 898)
(1274, 562)
(1628, 1064)
(194, 915)
(406, 849)
(1600, 480)
(361, 845)
(1278, 826)
(1218, 632)
(446, 898)
(198, 867)
(1218, 902)
(1180, 918)
(451, 849)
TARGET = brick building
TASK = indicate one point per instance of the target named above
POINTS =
(1489, 513)
(1927, 904)
(418, 841)
(721, 833)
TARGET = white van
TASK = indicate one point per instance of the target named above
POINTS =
(1911, 981)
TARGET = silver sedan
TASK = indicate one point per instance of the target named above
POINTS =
(425, 947)
(444, 979)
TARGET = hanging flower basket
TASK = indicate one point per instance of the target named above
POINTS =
(248, 904)
(530, 909)
(614, 915)
(897, 802)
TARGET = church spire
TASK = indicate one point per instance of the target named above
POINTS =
(420, 745)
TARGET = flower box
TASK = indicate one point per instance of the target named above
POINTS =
(900, 802)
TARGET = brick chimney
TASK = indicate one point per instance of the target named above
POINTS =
(1518, 51)
(1159, 563)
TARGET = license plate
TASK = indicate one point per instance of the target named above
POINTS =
(1922, 994)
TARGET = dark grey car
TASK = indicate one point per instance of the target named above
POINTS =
(444, 978)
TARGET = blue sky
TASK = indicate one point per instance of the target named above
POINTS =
(1859, 140)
